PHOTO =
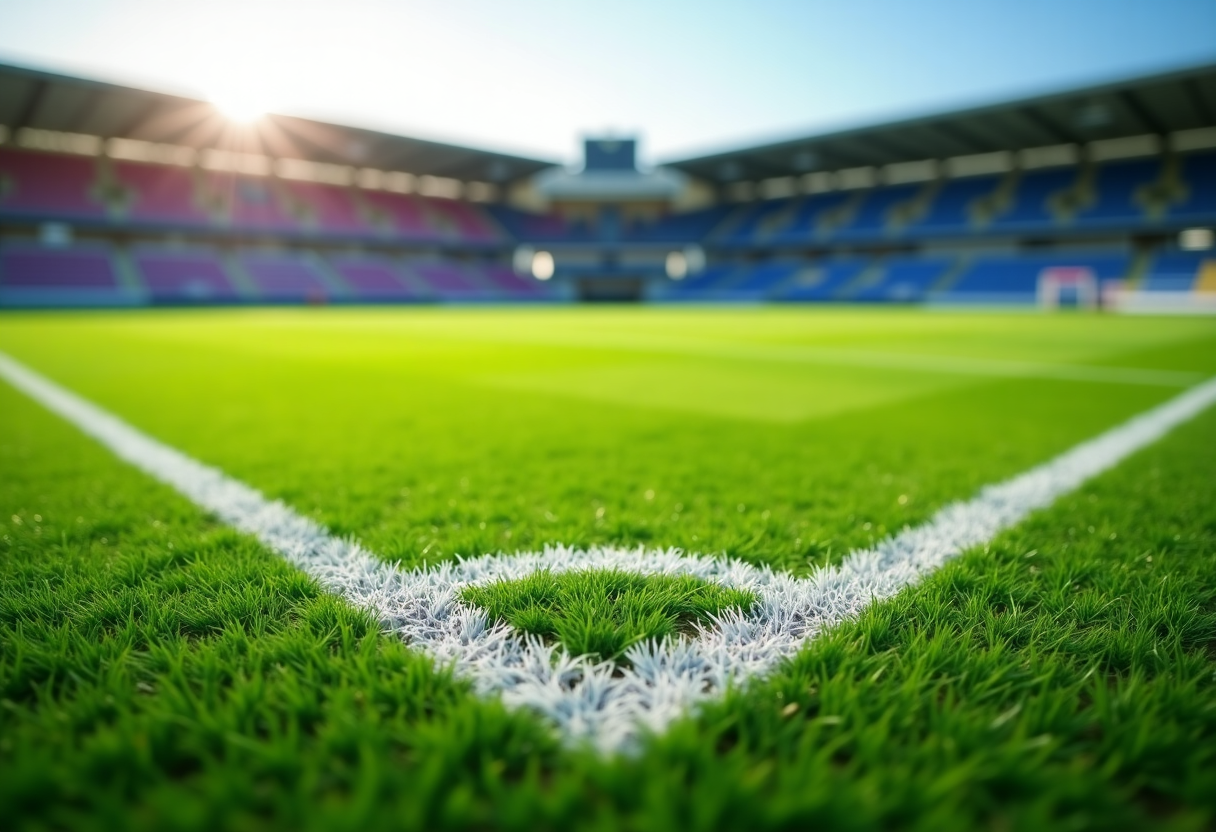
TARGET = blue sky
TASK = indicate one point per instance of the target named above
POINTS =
(532, 76)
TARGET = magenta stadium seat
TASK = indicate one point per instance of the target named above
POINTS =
(373, 280)
(49, 184)
(252, 202)
(160, 193)
(284, 278)
(405, 214)
(332, 208)
(465, 219)
(446, 279)
(507, 280)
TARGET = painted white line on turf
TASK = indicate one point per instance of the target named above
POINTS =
(597, 701)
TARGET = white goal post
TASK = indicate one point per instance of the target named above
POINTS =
(1079, 278)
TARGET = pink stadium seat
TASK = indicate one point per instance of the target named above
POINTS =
(447, 279)
(284, 278)
(159, 193)
(504, 278)
(333, 208)
(405, 213)
(466, 219)
(373, 279)
(252, 201)
(48, 184)
(30, 268)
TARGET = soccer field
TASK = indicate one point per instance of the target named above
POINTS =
(159, 669)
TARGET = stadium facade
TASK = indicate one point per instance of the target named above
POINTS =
(116, 196)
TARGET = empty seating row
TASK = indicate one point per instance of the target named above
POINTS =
(44, 186)
(1117, 194)
(86, 273)
(997, 279)
(1016, 277)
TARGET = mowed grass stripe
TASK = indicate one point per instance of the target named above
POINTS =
(420, 605)
(361, 420)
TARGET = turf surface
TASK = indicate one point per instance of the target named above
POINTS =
(604, 612)
(159, 672)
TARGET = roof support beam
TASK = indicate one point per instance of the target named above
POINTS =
(1141, 113)
(29, 107)
(1048, 126)
(1196, 99)
(142, 117)
(961, 136)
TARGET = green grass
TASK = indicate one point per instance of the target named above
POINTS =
(160, 672)
(602, 613)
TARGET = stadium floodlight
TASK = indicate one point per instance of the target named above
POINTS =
(694, 256)
(677, 265)
(1196, 239)
(522, 259)
(542, 265)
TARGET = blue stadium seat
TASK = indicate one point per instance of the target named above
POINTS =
(801, 225)
(1015, 278)
(1029, 208)
(871, 218)
(905, 280)
(1173, 272)
(948, 212)
(1116, 186)
(762, 279)
(1198, 174)
(836, 275)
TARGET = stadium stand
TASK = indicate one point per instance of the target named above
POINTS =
(874, 213)
(904, 280)
(801, 225)
(249, 202)
(49, 185)
(1198, 177)
(950, 211)
(982, 202)
(193, 276)
(1173, 272)
(329, 208)
(35, 268)
(510, 284)
(403, 213)
(1030, 207)
(463, 220)
(158, 194)
(825, 281)
(1015, 278)
(374, 280)
(285, 278)
(1116, 190)
(449, 280)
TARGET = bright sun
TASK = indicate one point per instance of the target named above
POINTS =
(239, 106)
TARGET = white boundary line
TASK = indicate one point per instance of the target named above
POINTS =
(597, 701)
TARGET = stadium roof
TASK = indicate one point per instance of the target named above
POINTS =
(1155, 104)
(47, 101)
